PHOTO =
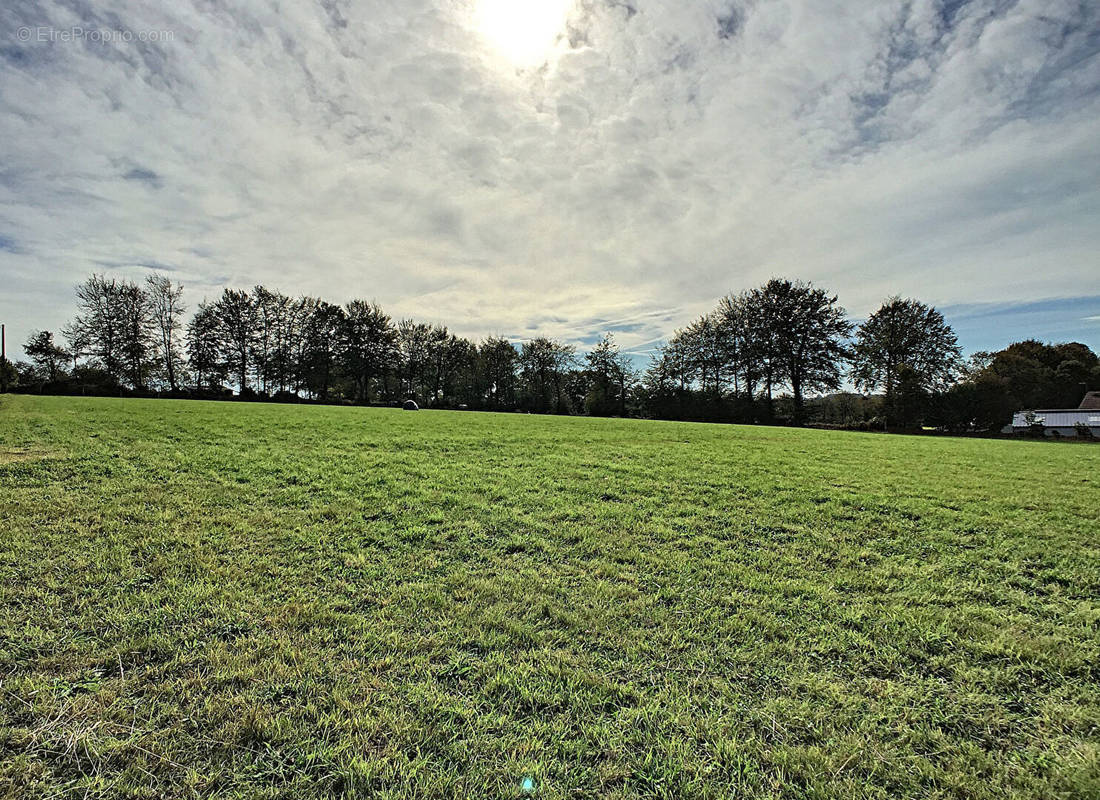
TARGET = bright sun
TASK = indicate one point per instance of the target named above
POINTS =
(523, 31)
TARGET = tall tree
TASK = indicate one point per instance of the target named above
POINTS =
(322, 347)
(285, 354)
(280, 326)
(678, 362)
(905, 339)
(497, 359)
(414, 343)
(543, 364)
(762, 318)
(114, 326)
(711, 350)
(48, 358)
(235, 317)
(807, 339)
(667, 383)
(204, 350)
(138, 337)
(454, 363)
(735, 314)
(611, 376)
(266, 306)
(368, 346)
(167, 309)
(298, 342)
(98, 331)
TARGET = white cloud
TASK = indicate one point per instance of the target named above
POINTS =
(666, 154)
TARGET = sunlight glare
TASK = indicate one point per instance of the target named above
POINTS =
(524, 31)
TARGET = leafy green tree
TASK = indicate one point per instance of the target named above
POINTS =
(454, 358)
(204, 353)
(661, 386)
(368, 346)
(48, 358)
(496, 364)
(543, 364)
(713, 354)
(807, 337)
(611, 375)
(235, 321)
(1038, 375)
(981, 402)
(783, 333)
(905, 336)
(1071, 378)
(911, 400)
(738, 326)
(99, 331)
(414, 343)
(27, 374)
(9, 375)
(694, 374)
(322, 347)
(269, 309)
(763, 320)
(278, 345)
(674, 366)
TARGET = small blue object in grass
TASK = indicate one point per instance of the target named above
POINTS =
(528, 785)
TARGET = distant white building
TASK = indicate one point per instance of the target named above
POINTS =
(1062, 421)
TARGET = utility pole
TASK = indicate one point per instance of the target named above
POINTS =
(3, 358)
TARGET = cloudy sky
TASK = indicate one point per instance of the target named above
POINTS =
(563, 169)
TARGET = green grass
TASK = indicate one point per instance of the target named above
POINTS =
(204, 599)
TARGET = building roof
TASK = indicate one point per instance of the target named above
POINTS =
(1054, 410)
(1090, 401)
(1057, 417)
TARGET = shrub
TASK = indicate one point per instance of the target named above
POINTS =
(1035, 428)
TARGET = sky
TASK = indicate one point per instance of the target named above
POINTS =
(554, 167)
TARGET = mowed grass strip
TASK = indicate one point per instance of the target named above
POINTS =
(233, 600)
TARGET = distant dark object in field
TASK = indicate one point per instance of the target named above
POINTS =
(410, 405)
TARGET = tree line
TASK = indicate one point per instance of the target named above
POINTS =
(263, 344)
(778, 353)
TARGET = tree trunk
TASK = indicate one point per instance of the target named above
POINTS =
(796, 390)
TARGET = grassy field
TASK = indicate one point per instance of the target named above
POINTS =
(204, 599)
